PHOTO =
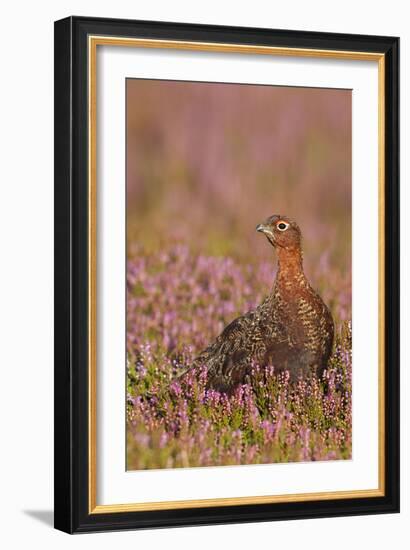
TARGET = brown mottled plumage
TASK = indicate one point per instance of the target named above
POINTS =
(292, 329)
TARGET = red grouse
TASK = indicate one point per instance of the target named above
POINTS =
(292, 329)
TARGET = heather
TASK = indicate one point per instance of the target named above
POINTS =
(177, 302)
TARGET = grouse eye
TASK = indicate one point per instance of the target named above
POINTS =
(282, 226)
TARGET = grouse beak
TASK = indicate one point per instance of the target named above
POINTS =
(264, 229)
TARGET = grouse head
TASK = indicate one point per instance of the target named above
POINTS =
(281, 232)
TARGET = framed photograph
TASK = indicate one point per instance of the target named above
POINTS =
(226, 274)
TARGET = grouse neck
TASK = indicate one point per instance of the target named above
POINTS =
(290, 265)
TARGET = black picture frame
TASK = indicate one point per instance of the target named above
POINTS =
(71, 418)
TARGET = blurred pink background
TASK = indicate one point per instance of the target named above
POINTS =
(206, 162)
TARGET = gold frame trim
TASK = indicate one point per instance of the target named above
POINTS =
(93, 42)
